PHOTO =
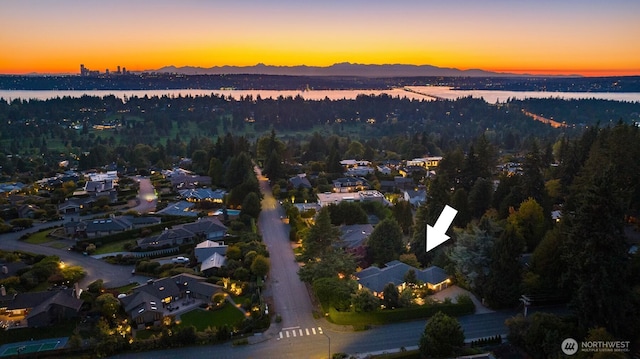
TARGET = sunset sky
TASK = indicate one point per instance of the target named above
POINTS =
(585, 37)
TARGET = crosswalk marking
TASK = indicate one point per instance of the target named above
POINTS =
(295, 332)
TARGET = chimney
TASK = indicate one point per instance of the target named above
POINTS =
(5, 270)
(3, 291)
(76, 290)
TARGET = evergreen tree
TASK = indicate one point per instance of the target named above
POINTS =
(390, 296)
(503, 284)
(321, 236)
(403, 215)
(599, 283)
(480, 197)
(385, 242)
(442, 337)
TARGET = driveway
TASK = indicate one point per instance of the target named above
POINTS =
(454, 291)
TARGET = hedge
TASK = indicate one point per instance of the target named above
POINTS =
(463, 307)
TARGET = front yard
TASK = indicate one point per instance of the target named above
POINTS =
(201, 319)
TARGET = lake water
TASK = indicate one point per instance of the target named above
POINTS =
(427, 93)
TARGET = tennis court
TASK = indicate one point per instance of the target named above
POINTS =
(32, 346)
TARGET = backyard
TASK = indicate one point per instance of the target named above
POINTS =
(201, 319)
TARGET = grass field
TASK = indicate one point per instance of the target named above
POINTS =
(201, 319)
(39, 237)
(112, 247)
(24, 334)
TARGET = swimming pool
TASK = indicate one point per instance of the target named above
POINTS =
(231, 212)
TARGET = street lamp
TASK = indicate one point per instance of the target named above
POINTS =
(328, 338)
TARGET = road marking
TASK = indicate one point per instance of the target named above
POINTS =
(296, 332)
(289, 328)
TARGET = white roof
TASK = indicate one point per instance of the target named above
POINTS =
(210, 244)
(215, 261)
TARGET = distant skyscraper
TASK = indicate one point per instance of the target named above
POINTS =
(83, 70)
(118, 70)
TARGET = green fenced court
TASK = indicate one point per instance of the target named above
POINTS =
(33, 346)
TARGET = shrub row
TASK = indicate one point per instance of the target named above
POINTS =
(496, 339)
(463, 307)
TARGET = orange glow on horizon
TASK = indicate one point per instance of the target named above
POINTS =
(522, 37)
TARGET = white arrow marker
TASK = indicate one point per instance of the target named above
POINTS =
(436, 234)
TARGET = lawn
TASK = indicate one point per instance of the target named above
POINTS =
(126, 289)
(201, 319)
(18, 335)
(39, 237)
(112, 247)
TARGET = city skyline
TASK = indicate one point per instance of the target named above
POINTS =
(544, 37)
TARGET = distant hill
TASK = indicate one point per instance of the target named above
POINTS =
(341, 69)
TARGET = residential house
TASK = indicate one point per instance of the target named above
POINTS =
(40, 309)
(214, 261)
(152, 301)
(99, 227)
(353, 238)
(203, 194)
(99, 186)
(299, 181)
(181, 208)
(27, 211)
(371, 196)
(359, 171)
(207, 228)
(386, 170)
(11, 188)
(375, 279)
(184, 181)
(329, 198)
(411, 171)
(75, 205)
(350, 184)
(416, 197)
(427, 162)
(207, 248)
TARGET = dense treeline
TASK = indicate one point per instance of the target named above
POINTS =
(155, 131)
(153, 81)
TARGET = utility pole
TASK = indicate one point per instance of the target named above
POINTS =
(526, 301)
(328, 338)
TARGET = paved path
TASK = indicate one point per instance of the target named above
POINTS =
(454, 291)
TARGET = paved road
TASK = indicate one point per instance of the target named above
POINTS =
(147, 198)
(290, 296)
(113, 275)
(379, 339)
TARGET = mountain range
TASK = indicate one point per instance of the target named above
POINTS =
(339, 69)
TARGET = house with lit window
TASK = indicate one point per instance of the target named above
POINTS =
(203, 194)
(375, 278)
(39, 309)
(151, 302)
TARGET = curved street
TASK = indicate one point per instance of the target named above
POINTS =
(299, 334)
(112, 275)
